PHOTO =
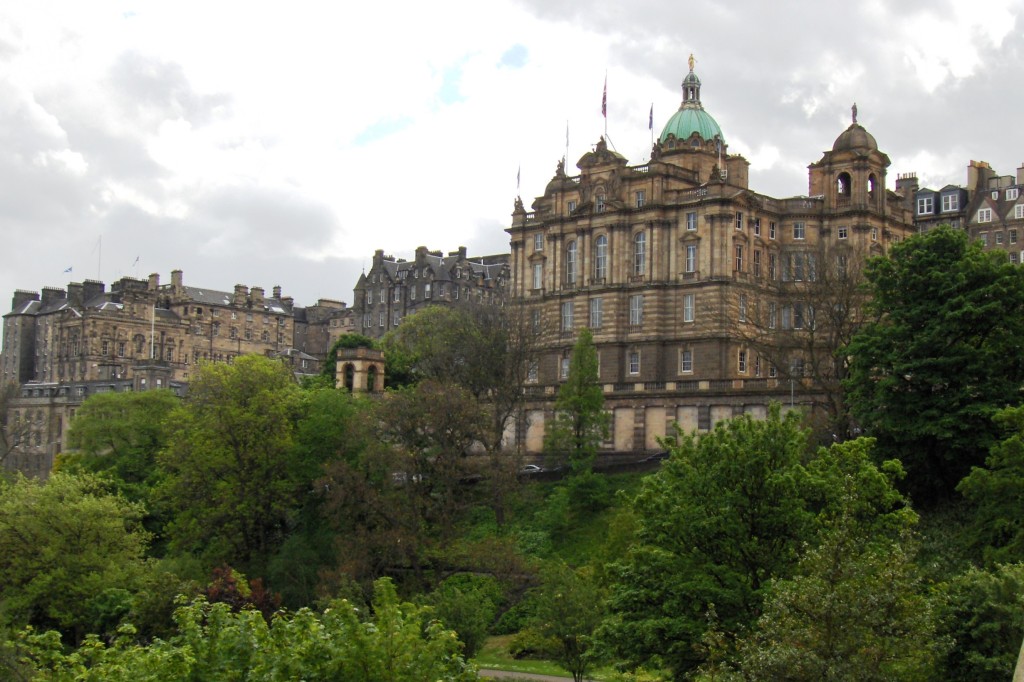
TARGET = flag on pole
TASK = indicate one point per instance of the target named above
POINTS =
(518, 172)
(650, 118)
(136, 261)
(68, 270)
(604, 98)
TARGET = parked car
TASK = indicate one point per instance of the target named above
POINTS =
(530, 469)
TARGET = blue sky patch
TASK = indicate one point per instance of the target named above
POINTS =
(514, 57)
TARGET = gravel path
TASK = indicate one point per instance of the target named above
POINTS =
(504, 675)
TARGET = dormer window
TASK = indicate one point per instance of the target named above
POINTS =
(924, 206)
(1012, 194)
(985, 215)
(950, 202)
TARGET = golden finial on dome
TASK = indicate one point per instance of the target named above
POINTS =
(691, 61)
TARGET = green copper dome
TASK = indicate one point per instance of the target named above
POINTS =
(687, 121)
(691, 117)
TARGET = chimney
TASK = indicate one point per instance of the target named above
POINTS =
(257, 296)
(176, 281)
(906, 184)
(978, 173)
(287, 302)
(21, 297)
(51, 294)
(241, 293)
(92, 288)
(75, 294)
(277, 291)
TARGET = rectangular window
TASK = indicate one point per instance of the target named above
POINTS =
(799, 231)
(383, 295)
(564, 367)
(572, 206)
(412, 292)
(983, 238)
(741, 362)
(773, 265)
(691, 222)
(397, 318)
(757, 365)
(380, 319)
(844, 232)
(999, 237)
(739, 258)
(567, 316)
(924, 206)
(773, 371)
(398, 294)
(636, 309)
(686, 362)
(426, 290)
(773, 315)
(596, 315)
(1018, 211)
(538, 275)
(1012, 194)
(120, 349)
(105, 348)
(874, 234)
(951, 202)
(640, 195)
(985, 215)
(688, 305)
(599, 203)
(634, 362)
(771, 229)
(1013, 236)
(535, 321)
(739, 220)
(757, 262)
(757, 227)
(538, 242)
(369, 301)
(691, 258)
(531, 372)
(743, 307)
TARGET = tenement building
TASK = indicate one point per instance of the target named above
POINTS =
(396, 288)
(680, 269)
(62, 345)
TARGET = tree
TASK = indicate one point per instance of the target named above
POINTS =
(233, 478)
(982, 613)
(399, 643)
(568, 608)
(942, 352)
(812, 310)
(118, 436)
(67, 546)
(996, 492)
(723, 515)
(855, 607)
(580, 423)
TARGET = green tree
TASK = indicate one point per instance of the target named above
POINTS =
(722, 517)
(855, 607)
(399, 643)
(118, 436)
(568, 611)
(468, 604)
(996, 492)
(69, 552)
(580, 423)
(982, 614)
(942, 352)
(233, 478)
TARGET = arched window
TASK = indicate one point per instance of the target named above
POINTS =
(871, 186)
(843, 185)
(350, 375)
(570, 262)
(371, 378)
(601, 257)
(639, 253)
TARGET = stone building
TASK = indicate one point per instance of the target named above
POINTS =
(62, 345)
(669, 262)
(396, 288)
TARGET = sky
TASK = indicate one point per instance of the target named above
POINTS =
(272, 144)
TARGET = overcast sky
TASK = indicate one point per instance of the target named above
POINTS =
(281, 143)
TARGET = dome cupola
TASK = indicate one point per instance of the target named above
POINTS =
(691, 117)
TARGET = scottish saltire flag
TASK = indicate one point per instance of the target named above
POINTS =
(68, 270)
